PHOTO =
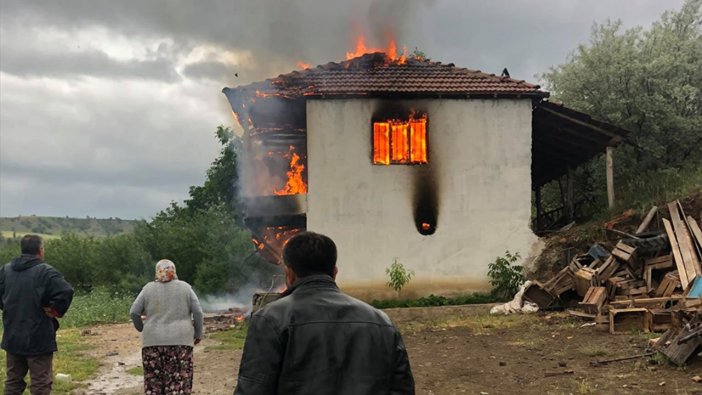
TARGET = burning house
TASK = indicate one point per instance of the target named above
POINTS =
(405, 158)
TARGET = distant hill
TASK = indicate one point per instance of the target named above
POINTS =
(55, 226)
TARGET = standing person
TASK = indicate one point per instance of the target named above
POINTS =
(317, 340)
(33, 294)
(168, 334)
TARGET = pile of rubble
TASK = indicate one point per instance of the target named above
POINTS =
(218, 322)
(649, 281)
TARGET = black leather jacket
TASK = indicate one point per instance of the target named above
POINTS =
(317, 340)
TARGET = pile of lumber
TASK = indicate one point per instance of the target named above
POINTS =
(640, 283)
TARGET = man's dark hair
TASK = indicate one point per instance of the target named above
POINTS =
(31, 244)
(309, 253)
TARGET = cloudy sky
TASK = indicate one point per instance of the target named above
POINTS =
(108, 108)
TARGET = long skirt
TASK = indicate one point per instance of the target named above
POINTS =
(167, 370)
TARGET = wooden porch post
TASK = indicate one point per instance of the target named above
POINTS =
(537, 197)
(570, 195)
(610, 177)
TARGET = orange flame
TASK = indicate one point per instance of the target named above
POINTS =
(295, 185)
(400, 141)
(303, 65)
(390, 50)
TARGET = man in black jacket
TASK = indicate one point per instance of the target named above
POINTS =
(32, 295)
(317, 340)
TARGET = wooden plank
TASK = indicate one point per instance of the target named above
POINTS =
(607, 269)
(647, 220)
(661, 262)
(695, 227)
(645, 302)
(693, 244)
(689, 256)
(676, 253)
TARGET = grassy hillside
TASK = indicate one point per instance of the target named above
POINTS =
(55, 226)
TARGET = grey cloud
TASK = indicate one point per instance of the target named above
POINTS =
(38, 63)
(211, 70)
(122, 148)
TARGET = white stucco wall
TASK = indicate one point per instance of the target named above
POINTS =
(480, 153)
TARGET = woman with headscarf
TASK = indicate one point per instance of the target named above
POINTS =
(172, 326)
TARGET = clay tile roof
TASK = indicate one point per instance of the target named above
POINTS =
(376, 75)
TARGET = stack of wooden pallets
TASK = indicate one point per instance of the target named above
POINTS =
(637, 287)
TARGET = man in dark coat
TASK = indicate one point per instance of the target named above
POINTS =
(317, 340)
(32, 295)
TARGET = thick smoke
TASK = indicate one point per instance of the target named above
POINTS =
(242, 299)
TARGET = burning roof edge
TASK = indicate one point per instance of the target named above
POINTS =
(376, 75)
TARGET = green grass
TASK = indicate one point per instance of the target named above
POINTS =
(98, 307)
(136, 371)
(70, 359)
(232, 339)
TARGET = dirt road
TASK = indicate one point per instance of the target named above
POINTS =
(459, 350)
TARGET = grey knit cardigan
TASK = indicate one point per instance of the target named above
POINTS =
(173, 314)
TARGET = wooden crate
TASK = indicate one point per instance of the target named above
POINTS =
(594, 299)
(625, 320)
(536, 293)
(666, 288)
(607, 270)
(627, 254)
(679, 353)
(661, 320)
(584, 279)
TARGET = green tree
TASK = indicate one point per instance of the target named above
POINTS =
(647, 81)
(123, 263)
(221, 187)
(76, 258)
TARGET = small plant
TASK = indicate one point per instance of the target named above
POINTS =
(505, 276)
(399, 276)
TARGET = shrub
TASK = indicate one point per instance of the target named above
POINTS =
(399, 276)
(505, 276)
(434, 300)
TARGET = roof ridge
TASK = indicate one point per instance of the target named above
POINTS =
(372, 72)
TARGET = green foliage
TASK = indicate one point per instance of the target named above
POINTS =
(647, 81)
(100, 306)
(398, 275)
(418, 55)
(433, 300)
(505, 277)
(221, 187)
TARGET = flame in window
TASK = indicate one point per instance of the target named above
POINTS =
(400, 141)
(295, 184)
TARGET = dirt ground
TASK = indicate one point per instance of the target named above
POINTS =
(453, 350)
